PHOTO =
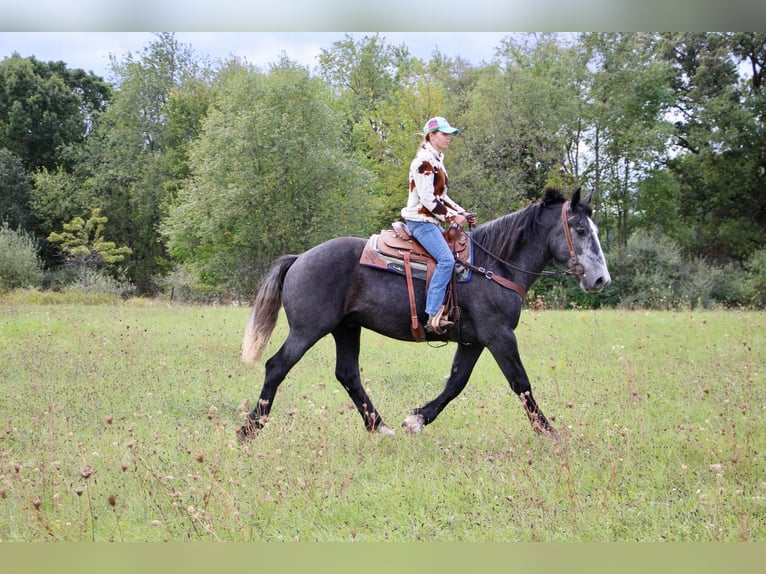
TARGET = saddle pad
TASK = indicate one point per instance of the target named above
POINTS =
(378, 253)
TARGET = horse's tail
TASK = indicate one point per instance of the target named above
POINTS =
(263, 317)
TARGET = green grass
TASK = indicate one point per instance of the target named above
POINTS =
(119, 424)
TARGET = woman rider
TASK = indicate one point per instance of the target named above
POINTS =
(428, 207)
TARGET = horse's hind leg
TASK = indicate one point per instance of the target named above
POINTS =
(462, 365)
(277, 368)
(347, 342)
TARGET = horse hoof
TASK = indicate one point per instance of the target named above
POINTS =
(243, 435)
(547, 431)
(413, 424)
(247, 431)
(384, 430)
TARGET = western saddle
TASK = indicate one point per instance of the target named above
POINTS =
(396, 250)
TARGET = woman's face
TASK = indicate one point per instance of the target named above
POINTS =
(440, 140)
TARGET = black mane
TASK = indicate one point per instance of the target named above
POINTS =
(504, 235)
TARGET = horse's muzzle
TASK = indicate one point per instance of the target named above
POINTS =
(597, 285)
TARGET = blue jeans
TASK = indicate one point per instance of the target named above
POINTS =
(430, 237)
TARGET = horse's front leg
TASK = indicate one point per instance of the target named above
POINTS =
(462, 365)
(506, 352)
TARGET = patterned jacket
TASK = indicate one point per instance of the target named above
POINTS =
(428, 199)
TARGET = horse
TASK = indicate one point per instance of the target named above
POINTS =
(325, 290)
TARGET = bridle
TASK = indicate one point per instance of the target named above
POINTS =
(575, 267)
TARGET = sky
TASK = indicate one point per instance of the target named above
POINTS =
(380, 15)
(329, 15)
(83, 33)
(90, 50)
(264, 15)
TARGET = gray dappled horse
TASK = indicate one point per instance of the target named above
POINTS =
(325, 290)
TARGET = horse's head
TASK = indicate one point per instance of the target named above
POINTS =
(576, 245)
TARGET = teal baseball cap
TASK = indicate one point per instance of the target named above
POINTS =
(439, 124)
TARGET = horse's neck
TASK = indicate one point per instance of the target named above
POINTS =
(524, 262)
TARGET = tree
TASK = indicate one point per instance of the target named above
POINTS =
(84, 247)
(364, 73)
(721, 144)
(15, 185)
(630, 96)
(138, 154)
(523, 124)
(46, 110)
(46, 113)
(270, 176)
(390, 147)
(56, 197)
(374, 86)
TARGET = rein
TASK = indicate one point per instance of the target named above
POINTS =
(575, 267)
(507, 283)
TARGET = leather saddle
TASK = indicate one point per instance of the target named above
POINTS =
(395, 250)
(388, 249)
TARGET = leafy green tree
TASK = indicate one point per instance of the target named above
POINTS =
(630, 96)
(83, 245)
(442, 88)
(523, 124)
(720, 140)
(47, 109)
(139, 154)
(392, 144)
(56, 197)
(374, 84)
(46, 113)
(363, 73)
(270, 175)
(458, 78)
(15, 185)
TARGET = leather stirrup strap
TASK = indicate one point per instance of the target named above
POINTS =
(453, 309)
(415, 327)
(452, 302)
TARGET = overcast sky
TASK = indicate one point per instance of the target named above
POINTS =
(329, 15)
(90, 50)
(381, 15)
(83, 33)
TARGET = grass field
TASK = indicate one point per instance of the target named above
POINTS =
(119, 424)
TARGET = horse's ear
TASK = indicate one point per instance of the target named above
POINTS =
(586, 200)
(575, 199)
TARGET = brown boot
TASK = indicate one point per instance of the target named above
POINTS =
(439, 323)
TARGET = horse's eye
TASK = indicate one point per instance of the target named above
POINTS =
(580, 230)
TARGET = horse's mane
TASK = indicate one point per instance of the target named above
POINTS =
(504, 235)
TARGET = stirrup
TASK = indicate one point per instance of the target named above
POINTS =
(438, 323)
